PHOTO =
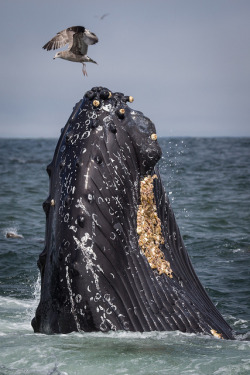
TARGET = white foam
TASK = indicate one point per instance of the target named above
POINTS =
(11, 229)
(238, 251)
(14, 303)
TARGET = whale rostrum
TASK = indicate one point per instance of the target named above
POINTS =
(114, 258)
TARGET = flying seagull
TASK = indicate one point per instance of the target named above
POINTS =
(103, 16)
(78, 39)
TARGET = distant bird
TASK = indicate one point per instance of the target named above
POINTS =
(78, 39)
(103, 16)
(13, 235)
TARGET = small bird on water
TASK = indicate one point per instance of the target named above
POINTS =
(78, 38)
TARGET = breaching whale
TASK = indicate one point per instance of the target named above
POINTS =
(114, 258)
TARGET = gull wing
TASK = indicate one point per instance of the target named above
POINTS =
(81, 41)
(64, 37)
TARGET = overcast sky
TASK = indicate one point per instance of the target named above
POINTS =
(186, 62)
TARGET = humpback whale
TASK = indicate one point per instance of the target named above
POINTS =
(114, 258)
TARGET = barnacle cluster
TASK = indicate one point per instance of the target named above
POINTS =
(149, 228)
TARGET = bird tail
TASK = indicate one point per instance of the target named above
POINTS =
(93, 61)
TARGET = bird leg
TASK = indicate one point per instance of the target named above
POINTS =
(84, 69)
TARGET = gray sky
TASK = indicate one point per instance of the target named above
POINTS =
(186, 62)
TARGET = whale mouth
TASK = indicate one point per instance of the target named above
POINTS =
(114, 258)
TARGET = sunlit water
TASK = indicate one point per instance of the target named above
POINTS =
(208, 181)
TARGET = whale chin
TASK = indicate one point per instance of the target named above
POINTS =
(114, 258)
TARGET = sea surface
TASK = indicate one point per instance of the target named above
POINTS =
(208, 182)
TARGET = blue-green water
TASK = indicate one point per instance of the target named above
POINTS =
(208, 181)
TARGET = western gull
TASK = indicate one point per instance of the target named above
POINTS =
(78, 38)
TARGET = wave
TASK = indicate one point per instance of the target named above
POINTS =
(112, 353)
(17, 160)
(17, 314)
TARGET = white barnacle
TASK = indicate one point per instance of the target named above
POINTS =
(87, 176)
(111, 211)
(97, 297)
(100, 200)
(85, 245)
(107, 297)
(86, 134)
(117, 201)
(112, 236)
(81, 312)
(74, 139)
(94, 218)
(69, 281)
(66, 218)
(107, 108)
(92, 115)
(78, 298)
(81, 205)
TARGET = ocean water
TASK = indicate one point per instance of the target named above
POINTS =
(208, 181)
